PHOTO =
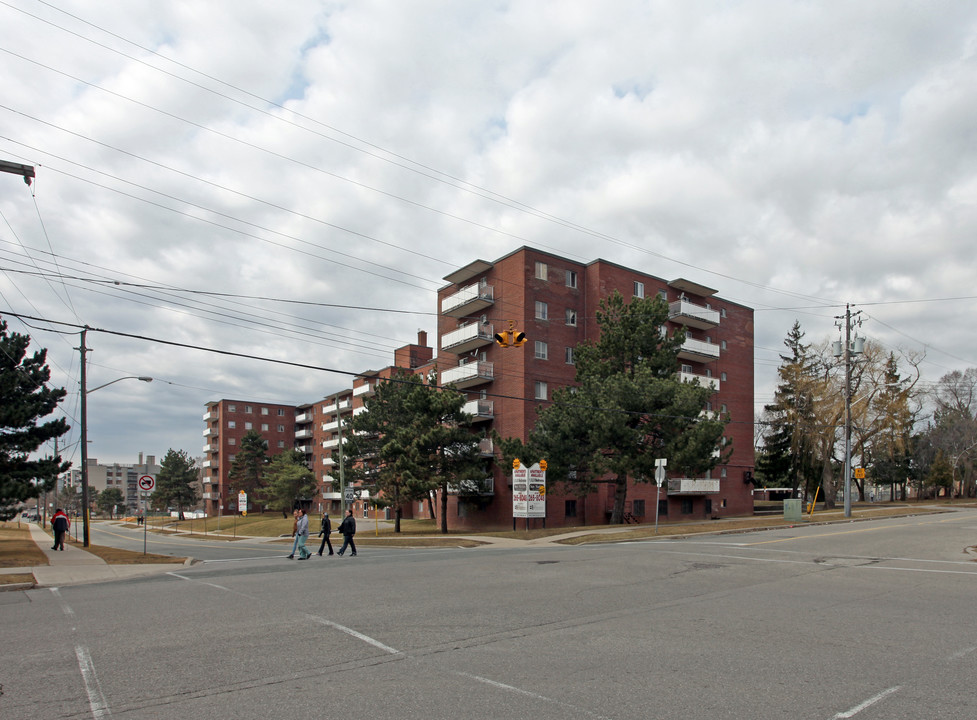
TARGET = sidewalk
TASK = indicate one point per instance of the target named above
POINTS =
(74, 566)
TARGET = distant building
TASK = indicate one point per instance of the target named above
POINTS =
(123, 476)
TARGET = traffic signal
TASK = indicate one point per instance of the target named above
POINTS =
(517, 338)
(542, 465)
(502, 338)
(510, 337)
(515, 463)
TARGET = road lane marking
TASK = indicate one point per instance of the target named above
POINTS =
(96, 700)
(962, 654)
(64, 606)
(353, 633)
(528, 693)
(871, 701)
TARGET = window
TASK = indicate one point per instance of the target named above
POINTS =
(281, 412)
(722, 408)
(722, 472)
(542, 311)
(264, 411)
(248, 408)
(230, 458)
(571, 279)
(570, 509)
(663, 508)
(708, 372)
(281, 428)
(542, 351)
(232, 441)
(569, 356)
(722, 344)
(571, 317)
(232, 408)
(541, 271)
(248, 426)
(281, 443)
(231, 424)
(540, 390)
(686, 506)
(264, 427)
(638, 508)
(686, 368)
(722, 312)
(639, 289)
(723, 377)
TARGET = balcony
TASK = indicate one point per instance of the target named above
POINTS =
(704, 380)
(468, 375)
(364, 390)
(480, 409)
(468, 337)
(206, 464)
(304, 417)
(692, 315)
(330, 409)
(328, 461)
(303, 433)
(210, 415)
(468, 301)
(692, 486)
(211, 432)
(697, 350)
(210, 448)
(485, 486)
(330, 426)
(330, 444)
(486, 448)
(307, 449)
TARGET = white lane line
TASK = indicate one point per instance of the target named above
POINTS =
(871, 701)
(96, 700)
(528, 693)
(962, 654)
(64, 606)
(213, 585)
(353, 633)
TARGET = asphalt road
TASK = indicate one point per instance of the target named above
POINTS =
(136, 539)
(867, 620)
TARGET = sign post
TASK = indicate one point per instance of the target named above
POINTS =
(242, 502)
(529, 492)
(147, 483)
(660, 464)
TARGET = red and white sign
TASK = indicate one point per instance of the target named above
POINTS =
(529, 492)
(147, 483)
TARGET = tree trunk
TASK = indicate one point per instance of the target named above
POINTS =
(620, 495)
(444, 508)
(828, 483)
(430, 506)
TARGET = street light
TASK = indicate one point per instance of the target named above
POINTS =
(84, 431)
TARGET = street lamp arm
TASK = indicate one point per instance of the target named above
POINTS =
(127, 377)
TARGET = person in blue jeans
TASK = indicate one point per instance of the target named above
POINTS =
(347, 528)
(295, 535)
(302, 534)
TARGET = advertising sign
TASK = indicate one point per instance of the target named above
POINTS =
(529, 492)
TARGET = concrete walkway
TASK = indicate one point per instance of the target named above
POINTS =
(75, 566)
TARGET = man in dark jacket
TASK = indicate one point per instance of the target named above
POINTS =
(60, 524)
(325, 530)
(347, 528)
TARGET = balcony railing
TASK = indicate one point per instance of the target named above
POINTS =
(211, 432)
(486, 448)
(704, 380)
(304, 417)
(467, 337)
(698, 350)
(468, 300)
(696, 316)
(364, 390)
(303, 433)
(469, 374)
(692, 486)
(485, 486)
(480, 409)
(330, 409)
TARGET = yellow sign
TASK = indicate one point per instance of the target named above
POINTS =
(860, 473)
(542, 465)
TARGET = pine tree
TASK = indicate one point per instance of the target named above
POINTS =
(175, 482)
(250, 464)
(25, 398)
(290, 482)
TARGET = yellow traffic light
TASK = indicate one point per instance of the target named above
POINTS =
(515, 463)
(502, 338)
(518, 338)
(542, 465)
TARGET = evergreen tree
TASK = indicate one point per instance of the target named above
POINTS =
(175, 482)
(247, 472)
(628, 408)
(290, 482)
(25, 398)
(110, 500)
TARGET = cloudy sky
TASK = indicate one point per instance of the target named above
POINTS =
(291, 181)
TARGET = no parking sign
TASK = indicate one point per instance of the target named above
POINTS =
(147, 483)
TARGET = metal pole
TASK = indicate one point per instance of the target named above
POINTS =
(658, 495)
(84, 437)
(847, 410)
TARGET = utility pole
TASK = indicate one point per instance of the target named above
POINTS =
(83, 379)
(850, 349)
(26, 171)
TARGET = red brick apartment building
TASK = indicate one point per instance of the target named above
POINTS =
(554, 301)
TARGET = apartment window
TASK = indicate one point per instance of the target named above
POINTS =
(281, 443)
(232, 408)
(569, 356)
(639, 289)
(231, 424)
(571, 279)
(264, 411)
(540, 390)
(663, 508)
(570, 509)
(542, 351)
(542, 311)
(230, 458)
(686, 506)
(264, 427)
(248, 408)
(708, 372)
(571, 317)
(541, 271)
(722, 472)
(722, 408)
(638, 508)
(723, 377)
(281, 428)
(248, 426)
(232, 441)
(281, 412)
(722, 344)
(722, 312)
(686, 368)
(663, 294)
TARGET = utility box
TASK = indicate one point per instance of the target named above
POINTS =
(792, 509)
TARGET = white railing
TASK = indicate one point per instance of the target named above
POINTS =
(466, 295)
(704, 380)
(684, 308)
(468, 372)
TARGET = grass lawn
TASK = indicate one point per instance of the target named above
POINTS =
(16, 547)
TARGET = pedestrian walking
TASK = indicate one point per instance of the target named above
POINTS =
(347, 528)
(60, 524)
(324, 532)
(302, 534)
(295, 537)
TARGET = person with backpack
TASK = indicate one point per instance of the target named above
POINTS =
(60, 524)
